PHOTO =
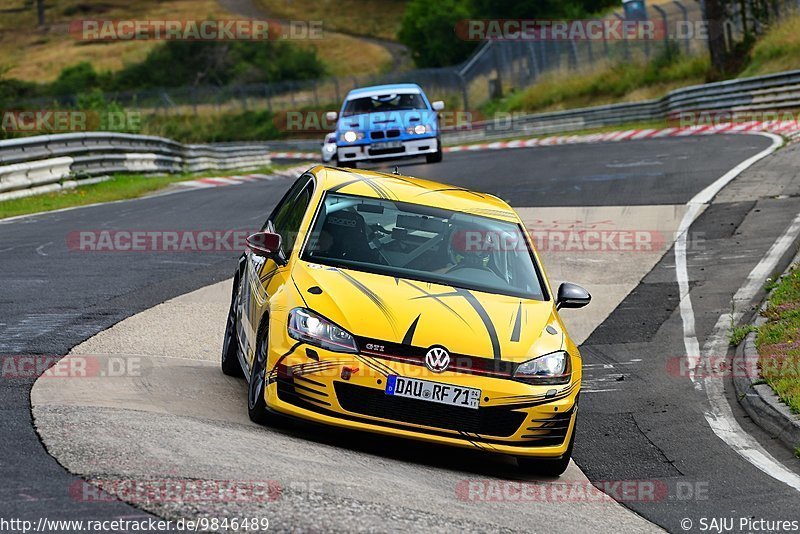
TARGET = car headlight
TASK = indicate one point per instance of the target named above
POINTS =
(419, 129)
(350, 136)
(305, 325)
(552, 368)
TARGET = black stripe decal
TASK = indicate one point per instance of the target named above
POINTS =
(517, 325)
(378, 301)
(425, 294)
(409, 337)
(487, 321)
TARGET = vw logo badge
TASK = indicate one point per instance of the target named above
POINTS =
(437, 359)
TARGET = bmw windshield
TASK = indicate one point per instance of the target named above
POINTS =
(383, 104)
(424, 243)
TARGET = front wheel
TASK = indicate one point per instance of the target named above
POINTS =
(346, 164)
(547, 467)
(256, 405)
(230, 343)
(436, 157)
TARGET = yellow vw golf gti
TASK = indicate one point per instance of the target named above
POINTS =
(385, 303)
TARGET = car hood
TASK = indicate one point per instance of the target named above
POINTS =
(423, 314)
(386, 120)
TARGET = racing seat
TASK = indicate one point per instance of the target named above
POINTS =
(346, 233)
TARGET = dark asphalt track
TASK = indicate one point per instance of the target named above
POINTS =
(53, 298)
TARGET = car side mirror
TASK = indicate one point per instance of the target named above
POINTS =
(264, 244)
(331, 115)
(438, 105)
(572, 296)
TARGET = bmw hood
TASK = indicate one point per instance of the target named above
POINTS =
(423, 314)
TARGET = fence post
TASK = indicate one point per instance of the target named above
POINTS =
(498, 69)
(685, 13)
(533, 63)
(625, 49)
(665, 20)
(573, 55)
(464, 89)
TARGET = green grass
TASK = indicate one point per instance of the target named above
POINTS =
(778, 340)
(740, 332)
(608, 84)
(119, 187)
(778, 50)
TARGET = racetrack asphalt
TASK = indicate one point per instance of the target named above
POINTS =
(55, 298)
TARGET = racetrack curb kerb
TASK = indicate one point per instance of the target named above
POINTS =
(790, 130)
(757, 398)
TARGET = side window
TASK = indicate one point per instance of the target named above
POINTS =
(287, 217)
(290, 195)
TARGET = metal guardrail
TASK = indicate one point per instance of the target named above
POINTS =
(48, 163)
(773, 92)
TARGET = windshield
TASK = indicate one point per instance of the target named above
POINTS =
(423, 243)
(383, 103)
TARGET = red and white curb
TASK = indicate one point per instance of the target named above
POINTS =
(204, 183)
(788, 129)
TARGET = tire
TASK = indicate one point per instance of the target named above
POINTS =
(256, 405)
(346, 164)
(436, 157)
(230, 343)
(546, 467)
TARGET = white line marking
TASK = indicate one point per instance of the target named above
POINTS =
(721, 418)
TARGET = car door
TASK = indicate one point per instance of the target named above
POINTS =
(263, 277)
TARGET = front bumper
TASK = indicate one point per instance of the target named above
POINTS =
(513, 418)
(409, 148)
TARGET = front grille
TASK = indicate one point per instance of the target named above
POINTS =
(394, 150)
(500, 422)
(392, 133)
(377, 135)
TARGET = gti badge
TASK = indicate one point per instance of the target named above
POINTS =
(437, 359)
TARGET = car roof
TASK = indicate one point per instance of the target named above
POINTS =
(412, 190)
(384, 89)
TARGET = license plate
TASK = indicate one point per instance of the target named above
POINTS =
(413, 388)
(386, 145)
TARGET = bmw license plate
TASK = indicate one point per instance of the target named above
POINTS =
(386, 145)
(412, 388)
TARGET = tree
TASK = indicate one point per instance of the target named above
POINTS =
(715, 15)
(428, 29)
